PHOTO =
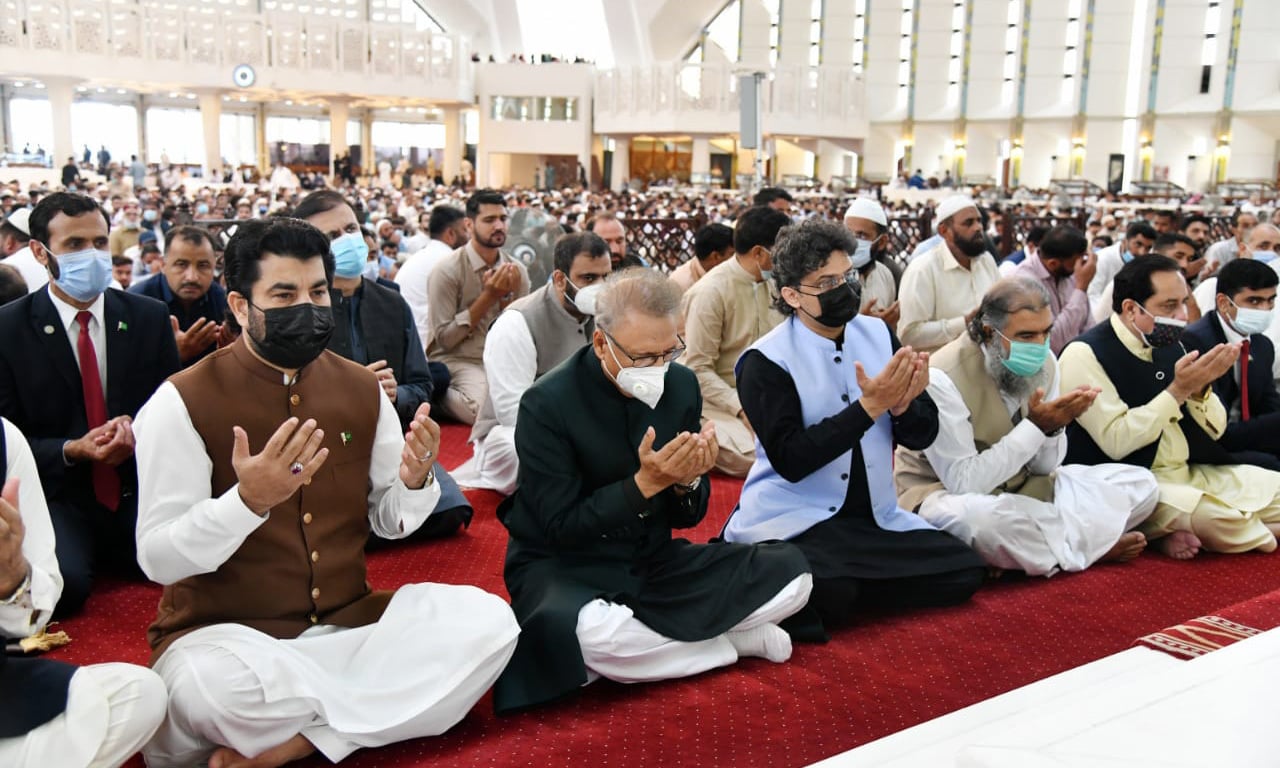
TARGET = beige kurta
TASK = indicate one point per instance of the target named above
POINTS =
(1227, 507)
(727, 311)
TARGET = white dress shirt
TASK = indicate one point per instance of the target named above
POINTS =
(1109, 263)
(29, 614)
(510, 365)
(97, 332)
(955, 458)
(184, 531)
(412, 279)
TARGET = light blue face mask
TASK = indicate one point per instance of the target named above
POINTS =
(83, 275)
(1266, 257)
(350, 255)
(861, 256)
(1025, 359)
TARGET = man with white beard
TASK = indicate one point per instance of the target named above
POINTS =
(994, 476)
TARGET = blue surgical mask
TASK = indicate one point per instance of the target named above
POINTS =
(350, 254)
(766, 275)
(149, 215)
(202, 209)
(861, 255)
(83, 275)
(1266, 257)
(1025, 358)
(1126, 256)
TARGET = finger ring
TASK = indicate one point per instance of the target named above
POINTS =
(295, 468)
(426, 456)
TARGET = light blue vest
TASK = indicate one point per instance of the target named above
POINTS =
(773, 508)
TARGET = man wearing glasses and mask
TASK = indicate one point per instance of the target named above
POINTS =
(535, 334)
(830, 392)
(612, 459)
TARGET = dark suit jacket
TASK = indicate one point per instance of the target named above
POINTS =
(40, 381)
(1261, 431)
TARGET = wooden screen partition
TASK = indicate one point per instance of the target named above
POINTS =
(663, 243)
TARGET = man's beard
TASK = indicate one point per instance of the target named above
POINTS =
(1017, 388)
(494, 240)
(973, 247)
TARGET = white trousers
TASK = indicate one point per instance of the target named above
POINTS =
(112, 710)
(416, 672)
(1093, 506)
(493, 465)
(617, 645)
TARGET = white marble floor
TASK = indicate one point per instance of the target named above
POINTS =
(1137, 708)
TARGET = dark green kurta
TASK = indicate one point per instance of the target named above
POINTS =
(580, 529)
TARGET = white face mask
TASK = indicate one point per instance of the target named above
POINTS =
(644, 384)
(585, 298)
(1250, 321)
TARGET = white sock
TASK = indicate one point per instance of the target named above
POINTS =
(767, 641)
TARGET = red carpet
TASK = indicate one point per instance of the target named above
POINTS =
(868, 682)
(1209, 633)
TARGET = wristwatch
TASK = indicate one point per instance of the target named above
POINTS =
(23, 590)
(691, 487)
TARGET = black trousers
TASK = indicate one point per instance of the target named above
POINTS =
(92, 539)
(839, 601)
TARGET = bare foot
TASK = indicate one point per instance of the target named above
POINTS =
(1180, 545)
(1126, 548)
(293, 749)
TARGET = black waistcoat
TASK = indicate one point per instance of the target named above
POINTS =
(381, 322)
(1137, 382)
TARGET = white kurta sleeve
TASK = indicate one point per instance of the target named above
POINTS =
(20, 619)
(182, 530)
(394, 510)
(1054, 449)
(510, 365)
(955, 458)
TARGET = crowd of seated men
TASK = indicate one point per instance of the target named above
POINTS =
(214, 416)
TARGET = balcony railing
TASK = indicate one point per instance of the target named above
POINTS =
(798, 92)
(205, 35)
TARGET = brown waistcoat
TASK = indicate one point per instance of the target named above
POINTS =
(304, 565)
(964, 364)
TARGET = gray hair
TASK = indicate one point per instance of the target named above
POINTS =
(637, 289)
(1261, 227)
(1007, 297)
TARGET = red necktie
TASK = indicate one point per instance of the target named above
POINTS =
(1244, 380)
(106, 483)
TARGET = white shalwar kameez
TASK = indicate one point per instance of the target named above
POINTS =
(415, 672)
(1092, 507)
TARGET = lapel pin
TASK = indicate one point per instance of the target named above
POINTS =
(122, 326)
(346, 437)
(48, 329)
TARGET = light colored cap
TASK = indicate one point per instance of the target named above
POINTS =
(950, 206)
(18, 218)
(866, 208)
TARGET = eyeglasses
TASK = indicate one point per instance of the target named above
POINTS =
(831, 282)
(648, 361)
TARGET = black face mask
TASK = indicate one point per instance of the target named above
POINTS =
(291, 337)
(839, 305)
